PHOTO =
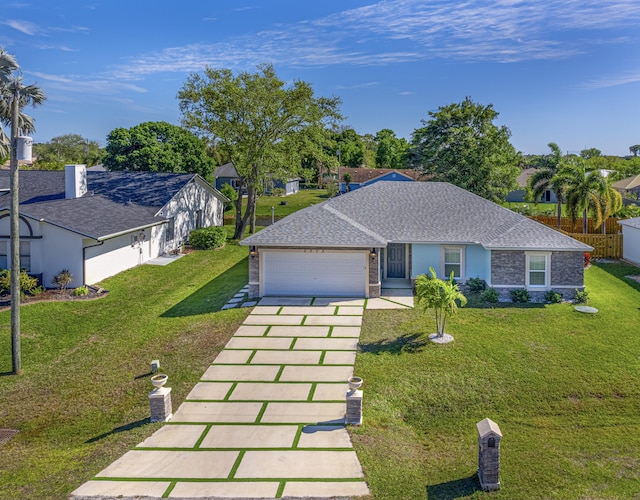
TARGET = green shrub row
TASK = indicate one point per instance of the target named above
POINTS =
(28, 284)
(208, 238)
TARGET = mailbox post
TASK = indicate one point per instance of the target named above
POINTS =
(489, 437)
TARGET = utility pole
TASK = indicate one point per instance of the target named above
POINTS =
(16, 356)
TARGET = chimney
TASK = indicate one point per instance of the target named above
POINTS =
(75, 181)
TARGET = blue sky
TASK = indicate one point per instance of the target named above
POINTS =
(565, 71)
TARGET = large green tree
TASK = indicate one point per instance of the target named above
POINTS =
(391, 151)
(461, 144)
(157, 147)
(66, 149)
(264, 126)
(546, 178)
(350, 148)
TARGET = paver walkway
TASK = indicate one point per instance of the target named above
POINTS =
(266, 419)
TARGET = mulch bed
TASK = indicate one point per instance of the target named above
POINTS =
(55, 296)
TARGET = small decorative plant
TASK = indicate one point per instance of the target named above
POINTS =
(552, 297)
(520, 296)
(587, 259)
(62, 279)
(476, 284)
(582, 297)
(441, 296)
(81, 291)
(490, 295)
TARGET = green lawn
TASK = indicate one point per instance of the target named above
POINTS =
(563, 387)
(294, 202)
(82, 400)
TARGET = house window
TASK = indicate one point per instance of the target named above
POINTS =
(4, 264)
(199, 219)
(538, 270)
(452, 261)
(25, 255)
(171, 228)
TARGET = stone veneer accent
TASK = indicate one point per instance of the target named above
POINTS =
(254, 268)
(508, 268)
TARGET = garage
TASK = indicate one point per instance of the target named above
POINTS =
(313, 273)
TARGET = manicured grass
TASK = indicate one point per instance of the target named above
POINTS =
(563, 387)
(82, 400)
(294, 202)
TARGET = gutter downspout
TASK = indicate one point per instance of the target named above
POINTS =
(84, 260)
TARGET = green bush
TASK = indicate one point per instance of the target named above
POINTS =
(278, 192)
(28, 284)
(332, 189)
(476, 284)
(520, 296)
(62, 279)
(552, 297)
(207, 238)
(81, 291)
(230, 192)
(490, 295)
(582, 297)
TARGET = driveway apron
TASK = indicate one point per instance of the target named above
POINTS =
(266, 420)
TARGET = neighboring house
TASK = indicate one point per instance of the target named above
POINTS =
(366, 176)
(353, 244)
(629, 187)
(97, 224)
(227, 174)
(631, 239)
(520, 195)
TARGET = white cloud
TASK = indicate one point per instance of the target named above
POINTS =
(26, 27)
(614, 81)
(84, 85)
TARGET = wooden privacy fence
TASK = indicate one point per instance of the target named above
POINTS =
(611, 224)
(605, 246)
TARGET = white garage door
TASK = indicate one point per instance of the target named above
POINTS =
(314, 274)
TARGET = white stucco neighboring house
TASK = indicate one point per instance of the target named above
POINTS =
(97, 224)
(631, 239)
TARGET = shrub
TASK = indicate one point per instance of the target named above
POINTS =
(582, 297)
(520, 296)
(476, 284)
(28, 284)
(62, 279)
(277, 191)
(332, 189)
(207, 238)
(552, 297)
(229, 191)
(490, 295)
(81, 291)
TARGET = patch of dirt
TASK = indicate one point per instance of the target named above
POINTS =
(55, 296)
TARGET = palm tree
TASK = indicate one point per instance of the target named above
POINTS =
(545, 179)
(587, 191)
(13, 97)
(441, 296)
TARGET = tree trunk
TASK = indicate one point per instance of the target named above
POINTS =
(585, 221)
(16, 355)
(559, 204)
(239, 230)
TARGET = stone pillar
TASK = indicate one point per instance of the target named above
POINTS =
(160, 404)
(489, 437)
(354, 407)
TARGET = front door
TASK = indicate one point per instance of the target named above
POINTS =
(396, 265)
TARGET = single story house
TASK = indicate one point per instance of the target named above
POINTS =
(365, 176)
(387, 232)
(629, 186)
(227, 174)
(97, 224)
(631, 239)
(520, 194)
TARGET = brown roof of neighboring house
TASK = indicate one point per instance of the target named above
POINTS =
(360, 175)
(628, 183)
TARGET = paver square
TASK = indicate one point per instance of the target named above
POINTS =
(270, 392)
(311, 310)
(251, 330)
(324, 436)
(298, 331)
(378, 303)
(259, 343)
(333, 320)
(269, 319)
(287, 357)
(304, 413)
(351, 311)
(265, 310)
(329, 344)
(330, 392)
(178, 464)
(293, 464)
(232, 357)
(209, 390)
(346, 331)
(316, 373)
(217, 412)
(250, 436)
(340, 489)
(253, 489)
(338, 301)
(115, 489)
(339, 358)
(241, 372)
(174, 436)
(285, 301)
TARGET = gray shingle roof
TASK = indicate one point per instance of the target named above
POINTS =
(407, 212)
(115, 201)
(635, 222)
